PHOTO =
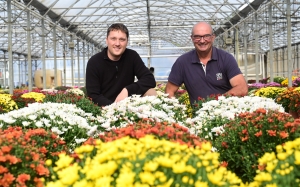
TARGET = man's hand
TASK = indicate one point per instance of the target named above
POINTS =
(122, 95)
(171, 89)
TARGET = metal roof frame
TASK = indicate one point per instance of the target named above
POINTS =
(162, 23)
(52, 28)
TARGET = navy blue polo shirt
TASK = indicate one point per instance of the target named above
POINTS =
(220, 69)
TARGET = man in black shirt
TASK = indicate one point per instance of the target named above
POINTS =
(110, 74)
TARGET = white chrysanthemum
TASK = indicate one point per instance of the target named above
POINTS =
(56, 130)
(106, 125)
(217, 112)
(9, 120)
(76, 91)
(32, 117)
(61, 118)
(218, 130)
(39, 124)
(228, 108)
(46, 122)
(52, 117)
(80, 140)
(26, 123)
(157, 108)
(92, 131)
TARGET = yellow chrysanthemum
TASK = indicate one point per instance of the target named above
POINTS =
(38, 97)
(6, 103)
(143, 162)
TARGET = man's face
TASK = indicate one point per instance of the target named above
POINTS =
(202, 38)
(116, 42)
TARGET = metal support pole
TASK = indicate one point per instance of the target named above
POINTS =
(271, 54)
(92, 50)
(277, 61)
(284, 71)
(297, 53)
(78, 63)
(25, 78)
(289, 42)
(9, 48)
(35, 64)
(64, 60)
(54, 56)
(5, 69)
(236, 44)
(43, 53)
(88, 49)
(72, 61)
(84, 63)
(148, 58)
(29, 53)
(256, 49)
(245, 51)
(19, 67)
(295, 66)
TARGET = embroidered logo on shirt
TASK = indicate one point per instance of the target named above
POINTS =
(219, 76)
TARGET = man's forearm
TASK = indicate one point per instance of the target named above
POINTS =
(238, 91)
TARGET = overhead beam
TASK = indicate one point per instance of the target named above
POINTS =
(54, 17)
(236, 18)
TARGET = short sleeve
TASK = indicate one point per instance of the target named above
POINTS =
(176, 74)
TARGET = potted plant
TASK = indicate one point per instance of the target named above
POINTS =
(294, 105)
(23, 154)
(290, 100)
(147, 161)
(284, 98)
(280, 168)
(249, 135)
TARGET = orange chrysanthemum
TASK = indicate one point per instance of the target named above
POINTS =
(283, 134)
(258, 134)
(22, 178)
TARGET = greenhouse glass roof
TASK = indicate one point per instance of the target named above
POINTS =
(156, 28)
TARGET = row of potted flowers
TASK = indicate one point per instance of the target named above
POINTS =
(209, 141)
(133, 157)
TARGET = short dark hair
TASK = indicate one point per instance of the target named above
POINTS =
(118, 26)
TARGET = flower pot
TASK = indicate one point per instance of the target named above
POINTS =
(294, 114)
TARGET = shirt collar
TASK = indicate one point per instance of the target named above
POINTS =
(106, 56)
(195, 59)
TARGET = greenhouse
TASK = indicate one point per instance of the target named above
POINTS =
(52, 34)
(54, 132)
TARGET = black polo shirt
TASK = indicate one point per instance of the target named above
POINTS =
(220, 69)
